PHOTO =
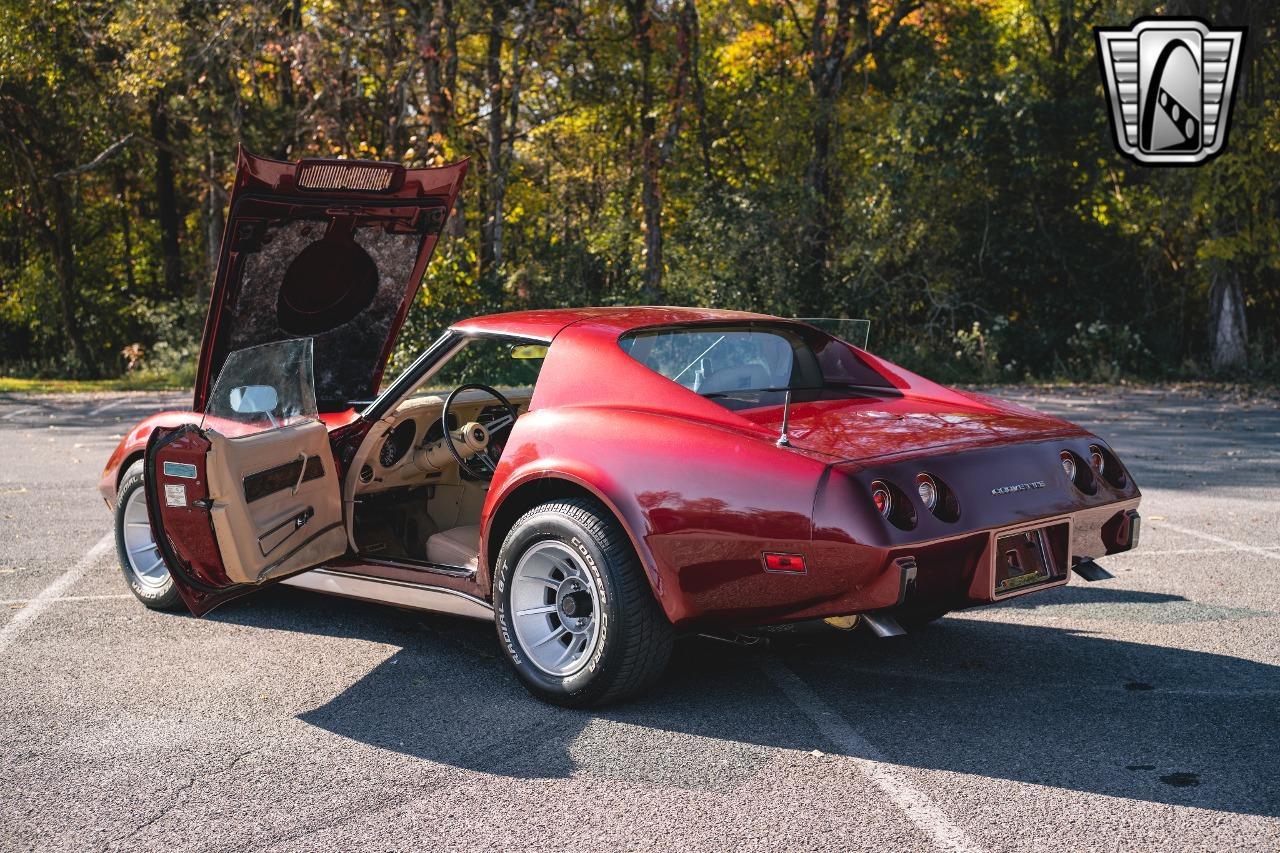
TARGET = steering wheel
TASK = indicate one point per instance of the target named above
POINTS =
(487, 463)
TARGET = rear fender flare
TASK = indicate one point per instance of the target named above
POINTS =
(596, 482)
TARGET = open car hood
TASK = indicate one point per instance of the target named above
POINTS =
(333, 250)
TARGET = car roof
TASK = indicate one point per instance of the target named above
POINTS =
(545, 324)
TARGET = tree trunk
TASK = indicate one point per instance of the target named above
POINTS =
(456, 226)
(166, 202)
(214, 224)
(826, 80)
(65, 266)
(651, 201)
(126, 231)
(1228, 332)
(496, 187)
(832, 59)
(650, 195)
(694, 35)
(436, 61)
(817, 233)
(291, 26)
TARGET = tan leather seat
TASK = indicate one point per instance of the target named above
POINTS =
(457, 546)
(750, 376)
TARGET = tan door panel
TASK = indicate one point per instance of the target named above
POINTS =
(277, 506)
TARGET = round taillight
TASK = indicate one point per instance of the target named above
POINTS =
(1069, 465)
(1096, 459)
(882, 497)
(928, 491)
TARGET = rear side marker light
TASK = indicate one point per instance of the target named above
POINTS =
(787, 563)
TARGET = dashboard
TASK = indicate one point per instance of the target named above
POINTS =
(417, 422)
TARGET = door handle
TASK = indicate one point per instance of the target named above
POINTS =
(302, 472)
(278, 535)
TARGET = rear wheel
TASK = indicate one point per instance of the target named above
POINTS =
(573, 608)
(140, 560)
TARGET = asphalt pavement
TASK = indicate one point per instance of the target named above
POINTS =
(1141, 713)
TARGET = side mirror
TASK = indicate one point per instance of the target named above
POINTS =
(253, 399)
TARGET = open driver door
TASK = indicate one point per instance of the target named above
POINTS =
(251, 495)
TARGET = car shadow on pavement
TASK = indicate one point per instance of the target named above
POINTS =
(1052, 706)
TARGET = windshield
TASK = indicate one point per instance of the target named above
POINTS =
(743, 366)
(501, 363)
(263, 387)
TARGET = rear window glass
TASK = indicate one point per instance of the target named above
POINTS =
(753, 365)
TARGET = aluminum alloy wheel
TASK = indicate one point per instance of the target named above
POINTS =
(140, 545)
(555, 608)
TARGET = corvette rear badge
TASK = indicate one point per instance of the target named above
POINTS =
(1169, 83)
(1018, 487)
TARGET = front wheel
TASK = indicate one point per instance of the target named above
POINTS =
(144, 570)
(573, 609)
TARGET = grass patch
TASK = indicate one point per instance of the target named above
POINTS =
(142, 380)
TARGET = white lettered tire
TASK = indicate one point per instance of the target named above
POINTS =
(574, 612)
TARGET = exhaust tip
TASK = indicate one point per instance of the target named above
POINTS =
(1091, 571)
(883, 625)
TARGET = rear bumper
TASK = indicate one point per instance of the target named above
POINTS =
(948, 573)
(954, 574)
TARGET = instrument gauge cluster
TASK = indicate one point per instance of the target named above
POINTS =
(397, 443)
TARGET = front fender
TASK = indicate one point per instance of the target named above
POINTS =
(132, 447)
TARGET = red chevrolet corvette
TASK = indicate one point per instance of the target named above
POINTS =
(594, 480)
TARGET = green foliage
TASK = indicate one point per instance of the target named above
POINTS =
(976, 211)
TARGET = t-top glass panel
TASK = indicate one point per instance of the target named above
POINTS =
(856, 332)
(755, 364)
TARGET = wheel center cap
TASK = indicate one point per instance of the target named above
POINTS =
(574, 604)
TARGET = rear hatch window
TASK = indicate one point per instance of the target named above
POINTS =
(750, 365)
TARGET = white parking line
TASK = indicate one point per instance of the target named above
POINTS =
(105, 407)
(17, 412)
(10, 602)
(1052, 688)
(53, 591)
(914, 803)
(1209, 537)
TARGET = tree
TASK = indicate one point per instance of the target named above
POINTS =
(835, 49)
